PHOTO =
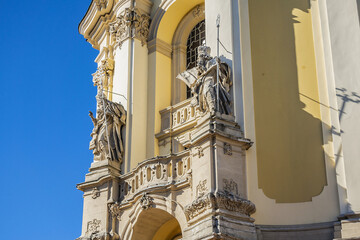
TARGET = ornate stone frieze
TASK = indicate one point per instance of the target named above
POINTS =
(235, 204)
(93, 227)
(227, 149)
(107, 139)
(221, 200)
(201, 188)
(146, 201)
(230, 186)
(200, 205)
(95, 193)
(103, 75)
(130, 24)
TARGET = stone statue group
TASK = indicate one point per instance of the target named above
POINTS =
(107, 136)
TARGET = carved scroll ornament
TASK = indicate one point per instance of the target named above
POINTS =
(130, 24)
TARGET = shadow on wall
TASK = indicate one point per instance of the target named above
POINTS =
(289, 140)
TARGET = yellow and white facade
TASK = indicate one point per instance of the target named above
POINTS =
(284, 165)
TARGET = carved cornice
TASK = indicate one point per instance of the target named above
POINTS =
(131, 24)
(220, 200)
(200, 205)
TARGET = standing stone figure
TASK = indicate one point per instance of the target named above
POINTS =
(107, 138)
(202, 82)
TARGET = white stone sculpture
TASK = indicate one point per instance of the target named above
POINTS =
(107, 140)
(202, 81)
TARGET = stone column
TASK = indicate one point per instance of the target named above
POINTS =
(129, 42)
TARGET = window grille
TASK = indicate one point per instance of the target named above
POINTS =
(195, 39)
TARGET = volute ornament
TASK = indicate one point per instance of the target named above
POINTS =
(131, 24)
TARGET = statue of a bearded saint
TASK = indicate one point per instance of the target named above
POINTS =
(202, 80)
(107, 135)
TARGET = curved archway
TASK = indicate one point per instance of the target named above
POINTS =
(165, 22)
(156, 224)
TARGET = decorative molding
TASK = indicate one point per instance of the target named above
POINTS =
(200, 205)
(198, 11)
(220, 200)
(230, 186)
(114, 210)
(146, 201)
(101, 4)
(199, 151)
(93, 227)
(130, 24)
(227, 149)
(95, 193)
(201, 188)
(234, 204)
(103, 75)
(160, 46)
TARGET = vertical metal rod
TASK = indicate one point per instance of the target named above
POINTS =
(217, 64)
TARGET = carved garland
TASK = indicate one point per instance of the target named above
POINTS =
(219, 201)
(131, 24)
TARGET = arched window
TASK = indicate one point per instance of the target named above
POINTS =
(196, 38)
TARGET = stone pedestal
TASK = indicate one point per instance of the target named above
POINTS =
(220, 209)
(348, 227)
(100, 188)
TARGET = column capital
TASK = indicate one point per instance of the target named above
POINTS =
(130, 24)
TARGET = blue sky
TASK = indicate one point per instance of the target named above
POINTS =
(46, 94)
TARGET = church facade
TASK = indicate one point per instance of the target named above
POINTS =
(233, 119)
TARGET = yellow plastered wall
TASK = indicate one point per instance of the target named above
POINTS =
(289, 143)
(159, 88)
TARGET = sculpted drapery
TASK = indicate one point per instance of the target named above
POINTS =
(107, 138)
(202, 82)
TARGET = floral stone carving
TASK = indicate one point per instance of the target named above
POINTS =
(95, 193)
(93, 226)
(130, 24)
(201, 188)
(146, 201)
(230, 186)
(200, 205)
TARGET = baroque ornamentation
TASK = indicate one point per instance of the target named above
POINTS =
(200, 205)
(230, 186)
(100, 4)
(198, 11)
(219, 201)
(146, 201)
(201, 188)
(103, 75)
(202, 80)
(93, 227)
(107, 138)
(199, 151)
(234, 204)
(131, 24)
(227, 149)
(95, 193)
(114, 210)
